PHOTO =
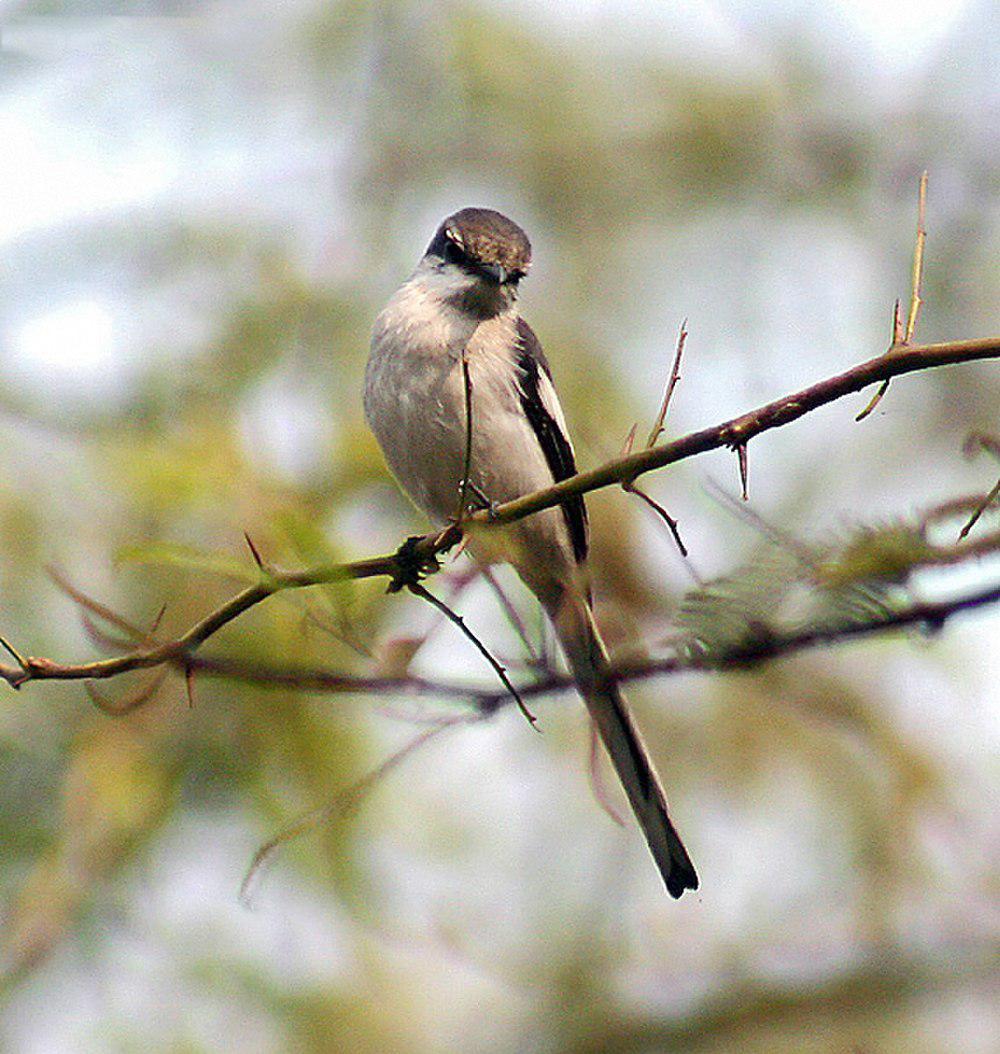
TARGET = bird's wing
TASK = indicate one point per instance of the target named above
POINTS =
(541, 407)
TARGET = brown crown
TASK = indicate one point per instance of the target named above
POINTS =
(488, 237)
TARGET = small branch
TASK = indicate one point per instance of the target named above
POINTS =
(899, 335)
(657, 430)
(498, 669)
(127, 703)
(675, 376)
(343, 804)
(513, 615)
(112, 618)
(660, 511)
(463, 489)
(917, 275)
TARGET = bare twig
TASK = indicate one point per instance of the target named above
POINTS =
(463, 487)
(917, 275)
(344, 803)
(899, 335)
(127, 703)
(597, 783)
(675, 376)
(656, 431)
(661, 512)
(421, 591)
(513, 615)
(976, 442)
(106, 614)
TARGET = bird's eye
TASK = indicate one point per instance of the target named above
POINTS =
(454, 254)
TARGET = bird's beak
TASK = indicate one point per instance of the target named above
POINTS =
(495, 273)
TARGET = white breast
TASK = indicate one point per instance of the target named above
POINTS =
(415, 405)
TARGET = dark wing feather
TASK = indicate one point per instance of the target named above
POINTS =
(531, 363)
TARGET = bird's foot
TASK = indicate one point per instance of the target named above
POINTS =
(413, 562)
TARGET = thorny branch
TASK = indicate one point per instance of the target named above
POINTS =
(419, 555)
(930, 616)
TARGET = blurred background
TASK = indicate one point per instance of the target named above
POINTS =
(204, 206)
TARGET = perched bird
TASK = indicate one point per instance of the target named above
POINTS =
(461, 302)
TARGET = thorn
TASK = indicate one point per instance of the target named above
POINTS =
(876, 399)
(254, 552)
(741, 453)
(189, 684)
(897, 325)
(159, 618)
(980, 509)
(630, 440)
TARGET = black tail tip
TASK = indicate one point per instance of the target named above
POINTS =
(681, 878)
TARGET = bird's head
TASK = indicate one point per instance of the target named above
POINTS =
(482, 256)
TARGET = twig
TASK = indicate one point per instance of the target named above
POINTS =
(974, 443)
(421, 591)
(675, 376)
(463, 488)
(899, 335)
(100, 610)
(343, 804)
(513, 615)
(629, 486)
(597, 784)
(102, 639)
(917, 274)
(127, 703)
(662, 513)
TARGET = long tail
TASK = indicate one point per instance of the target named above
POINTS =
(588, 663)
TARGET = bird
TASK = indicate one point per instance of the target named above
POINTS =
(460, 397)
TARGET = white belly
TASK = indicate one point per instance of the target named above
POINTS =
(415, 405)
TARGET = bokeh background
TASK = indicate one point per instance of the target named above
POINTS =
(203, 207)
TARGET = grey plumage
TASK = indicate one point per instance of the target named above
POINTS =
(461, 299)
